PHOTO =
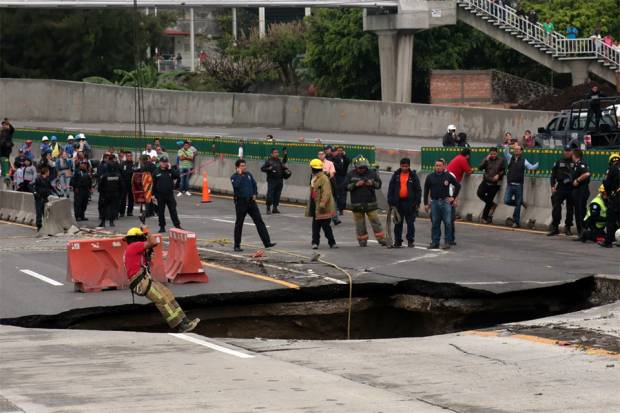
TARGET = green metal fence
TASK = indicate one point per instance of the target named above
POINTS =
(252, 149)
(597, 160)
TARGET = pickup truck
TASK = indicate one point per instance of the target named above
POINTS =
(569, 127)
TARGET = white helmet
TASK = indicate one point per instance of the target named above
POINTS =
(70, 137)
(81, 136)
(45, 139)
(618, 236)
(451, 128)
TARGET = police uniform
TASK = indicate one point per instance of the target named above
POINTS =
(109, 194)
(580, 193)
(81, 182)
(127, 168)
(163, 190)
(275, 170)
(245, 192)
(562, 181)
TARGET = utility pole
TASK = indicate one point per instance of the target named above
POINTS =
(261, 23)
(192, 40)
(308, 11)
(234, 22)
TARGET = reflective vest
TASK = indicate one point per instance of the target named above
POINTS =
(602, 218)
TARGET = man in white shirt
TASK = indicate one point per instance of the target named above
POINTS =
(152, 153)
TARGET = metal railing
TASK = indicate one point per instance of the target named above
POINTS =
(535, 34)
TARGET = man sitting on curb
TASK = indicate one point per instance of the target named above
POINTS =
(139, 248)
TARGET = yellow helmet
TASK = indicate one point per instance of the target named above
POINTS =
(316, 164)
(614, 155)
(135, 232)
(601, 189)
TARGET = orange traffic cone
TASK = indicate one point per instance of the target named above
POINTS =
(206, 192)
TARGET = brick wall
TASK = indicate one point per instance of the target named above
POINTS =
(482, 86)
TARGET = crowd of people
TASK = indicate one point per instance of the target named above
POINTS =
(63, 169)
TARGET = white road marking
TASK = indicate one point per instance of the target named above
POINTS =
(421, 257)
(212, 346)
(232, 222)
(513, 282)
(41, 277)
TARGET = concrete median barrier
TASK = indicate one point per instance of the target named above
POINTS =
(17, 207)
(57, 217)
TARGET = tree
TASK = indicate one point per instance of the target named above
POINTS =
(235, 73)
(341, 58)
(73, 44)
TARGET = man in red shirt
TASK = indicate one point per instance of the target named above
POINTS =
(458, 167)
(136, 258)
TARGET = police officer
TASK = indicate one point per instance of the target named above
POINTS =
(81, 183)
(42, 191)
(341, 163)
(127, 167)
(596, 217)
(245, 188)
(163, 189)
(109, 192)
(562, 191)
(612, 190)
(275, 168)
(581, 191)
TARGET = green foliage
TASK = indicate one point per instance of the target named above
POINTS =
(73, 44)
(236, 73)
(586, 15)
(341, 58)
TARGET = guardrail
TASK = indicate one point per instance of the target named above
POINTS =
(557, 43)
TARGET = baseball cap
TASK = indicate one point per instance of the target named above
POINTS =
(163, 159)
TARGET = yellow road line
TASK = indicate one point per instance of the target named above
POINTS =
(17, 224)
(592, 351)
(251, 274)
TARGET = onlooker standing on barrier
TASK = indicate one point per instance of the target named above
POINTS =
(581, 191)
(437, 186)
(109, 192)
(136, 260)
(42, 190)
(64, 168)
(69, 147)
(276, 169)
(450, 138)
(44, 146)
(515, 178)
(494, 168)
(341, 163)
(29, 175)
(612, 189)
(149, 151)
(82, 185)
(321, 205)
(459, 166)
(6, 145)
(363, 182)
(562, 191)
(405, 194)
(163, 190)
(127, 167)
(245, 192)
(186, 163)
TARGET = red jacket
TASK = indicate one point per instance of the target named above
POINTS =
(459, 166)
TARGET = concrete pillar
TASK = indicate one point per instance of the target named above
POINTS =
(404, 67)
(618, 82)
(308, 11)
(579, 71)
(261, 23)
(192, 40)
(388, 48)
(234, 23)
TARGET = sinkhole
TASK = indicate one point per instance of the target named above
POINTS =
(411, 308)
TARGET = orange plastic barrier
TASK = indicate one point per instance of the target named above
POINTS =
(206, 192)
(97, 264)
(183, 263)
